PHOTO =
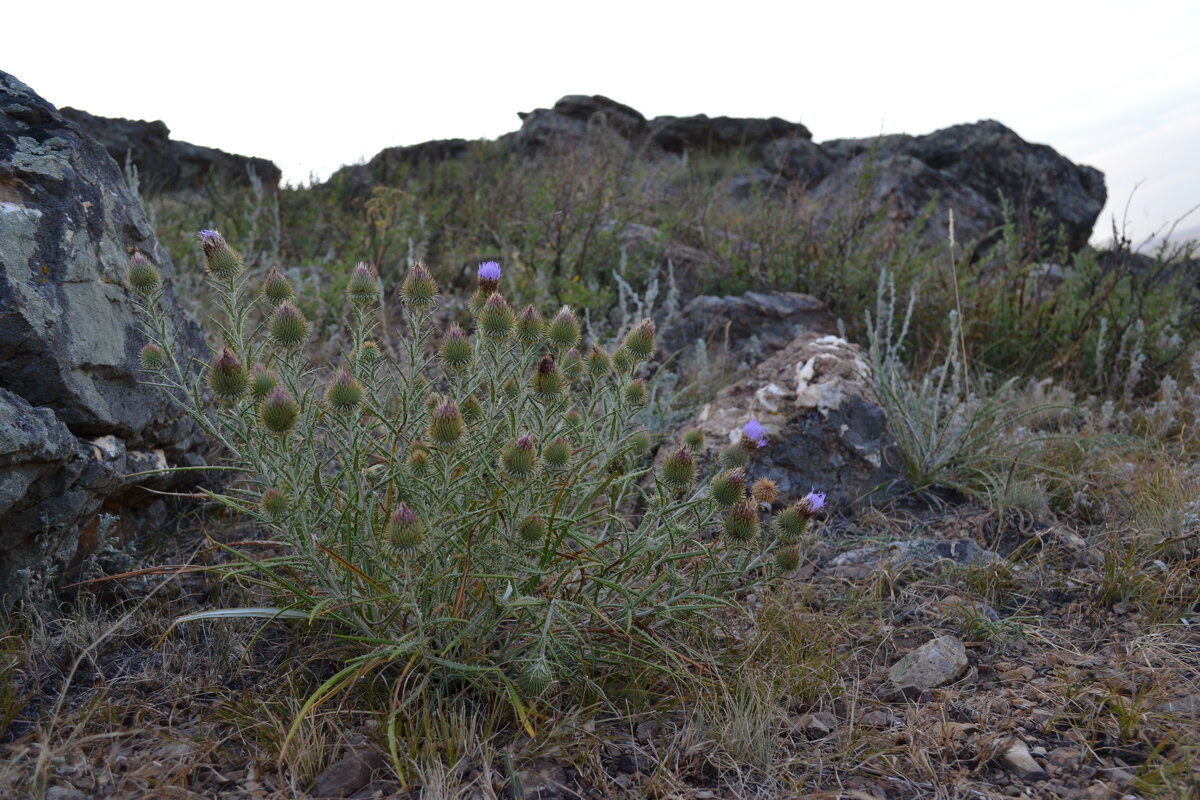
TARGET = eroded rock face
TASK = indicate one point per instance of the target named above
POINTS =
(823, 425)
(74, 420)
(169, 165)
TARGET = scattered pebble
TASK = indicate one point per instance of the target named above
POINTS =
(935, 663)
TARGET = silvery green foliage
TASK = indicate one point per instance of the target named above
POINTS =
(428, 512)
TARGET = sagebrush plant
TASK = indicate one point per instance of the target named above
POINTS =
(480, 512)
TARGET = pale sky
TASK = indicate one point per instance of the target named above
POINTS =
(313, 86)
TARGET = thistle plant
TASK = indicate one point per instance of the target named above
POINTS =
(480, 512)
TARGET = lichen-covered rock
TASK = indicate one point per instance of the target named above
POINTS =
(73, 410)
(936, 663)
(823, 425)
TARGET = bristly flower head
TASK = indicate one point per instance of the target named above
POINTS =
(288, 328)
(787, 557)
(678, 470)
(344, 393)
(694, 439)
(496, 318)
(446, 425)
(262, 381)
(405, 528)
(572, 364)
(563, 330)
(764, 491)
(457, 353)
(278, 411)
(419, 289)
(557, 454)
(153, 358)
(547, 381)
(274, 503)
(754, 433)
(223, 262)
(532, 530)
(635, 392)
(143, 277)
(519, 459)
(227, 377)
(363, 288)
(640, 340)
(811, 503)
(529, 326)
(741, 523)
(729, 487)
(598, 362)
(276, 288)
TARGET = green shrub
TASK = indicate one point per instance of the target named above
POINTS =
(476, 510)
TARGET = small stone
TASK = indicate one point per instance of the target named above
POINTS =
(878, 719)
(1183, 706)
(1068, 758)
(1018, 760)
(935, 663)
(818, 725)
(646, 730)
(64, 793)
(542, 779)
(346, 776)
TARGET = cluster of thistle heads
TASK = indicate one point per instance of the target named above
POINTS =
(496, 322)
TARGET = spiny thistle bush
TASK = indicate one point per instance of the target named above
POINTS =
(481, 510)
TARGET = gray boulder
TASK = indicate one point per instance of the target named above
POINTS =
(799, 159)
(823, 426)
(701, 132)
(572, 119)
(169, 165)
(74, 420)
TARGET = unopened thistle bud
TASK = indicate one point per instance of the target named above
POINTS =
(532, 530)
(457, 353)
(278, 411)
(735, 455)
(153, 358)
(529, 326)
(563, 330)
(635, 392)
(288, 328)
(791, 525)
(640, 341)
(143, 277)
(573, 419)
(640, 441)
(472, 409)
(741, 523)
(363, 289)
(598, 362)
(535, 678)
(623, 361)
(729, 487)
(274, 503)
(694, 439)
(262, 381)
(547, 381)
(787, 557)
(223, 262)
(405, 530)
(418, 459)
(496, 318)
(277, 288)
(368, 355)
(678, 470)
(519, 459)
(557, 454)
(572, 364)
(446, 425)
(419, 288)
(227, 377)
(763, 490)
(345, 393)
(489, 278)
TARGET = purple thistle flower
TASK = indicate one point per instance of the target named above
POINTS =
(489, 271)
(814, 501)
(755, 433)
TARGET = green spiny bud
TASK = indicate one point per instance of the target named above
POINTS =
(345, 393)
(288, 327)
(274, 503)
(741, 523)
(532, 530)
(227, 377)
(496, 318)
(640, 441)
(262, 381)
(446, 425)
(563, 330)
(640, 341)
(635, 392)
(419, 289)
(457, 353)
(405, 529)
(791, 525)
(223, 262)
(678, 470)
(277, 288)
(143, 277)
(728, 487)
(529, 326)
(572, 364)
(694, 439)
(535, 678)
(787, 557)
(472, 409)
(598, 362)
(363, 289)
(368, 355)
(418, 459)
(153, 358)
(278, 411)
(573, 419)
(547, 381)
(557, 454)
(735, 455)
(623, 361)
(519, 459)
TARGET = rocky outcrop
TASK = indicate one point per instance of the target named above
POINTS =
(74, 421)
(748, 327)
(165, 164)
(966, 168)
(823, 425)
(388, 165)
